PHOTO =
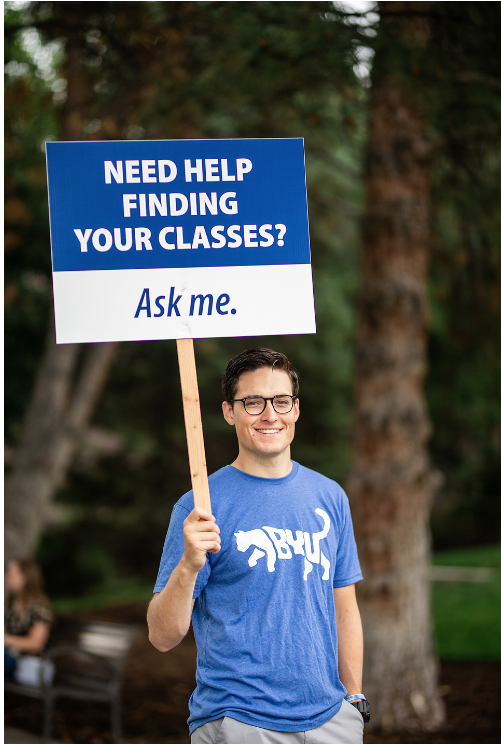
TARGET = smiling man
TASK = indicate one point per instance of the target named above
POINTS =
(267, 580)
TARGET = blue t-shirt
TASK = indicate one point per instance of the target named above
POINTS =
(264, 617)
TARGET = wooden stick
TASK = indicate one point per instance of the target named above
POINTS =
(193, 422)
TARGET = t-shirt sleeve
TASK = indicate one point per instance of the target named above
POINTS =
(347, 564)
(173, 551)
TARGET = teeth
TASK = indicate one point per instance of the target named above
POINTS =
(268, 431)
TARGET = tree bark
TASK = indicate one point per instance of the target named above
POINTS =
(391, 481)
(58, 410)
(56, 418)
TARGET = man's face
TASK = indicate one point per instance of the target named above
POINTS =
(269, 433)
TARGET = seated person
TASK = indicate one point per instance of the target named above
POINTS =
(28, 616)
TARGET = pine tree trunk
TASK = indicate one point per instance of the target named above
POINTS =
(391, 482)
(59, 409)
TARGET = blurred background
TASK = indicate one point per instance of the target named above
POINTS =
(174, 70)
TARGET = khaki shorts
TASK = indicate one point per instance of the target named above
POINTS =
(346, 727)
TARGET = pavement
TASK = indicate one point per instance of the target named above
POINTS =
(16, 736)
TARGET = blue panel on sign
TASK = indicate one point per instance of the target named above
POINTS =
(174, 204)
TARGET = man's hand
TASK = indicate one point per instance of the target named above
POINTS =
(169, 612)
(201, 536)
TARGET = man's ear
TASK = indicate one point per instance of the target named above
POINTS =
(228, 413)
(296, 408)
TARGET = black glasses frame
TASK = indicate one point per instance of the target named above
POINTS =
(253, 397)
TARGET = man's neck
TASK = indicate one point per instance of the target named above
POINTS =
(264, 467)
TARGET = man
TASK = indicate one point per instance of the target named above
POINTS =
(269, 586)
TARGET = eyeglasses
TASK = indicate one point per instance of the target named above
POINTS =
(255, 404)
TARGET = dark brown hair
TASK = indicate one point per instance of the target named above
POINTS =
(33, 587)
(251, 359)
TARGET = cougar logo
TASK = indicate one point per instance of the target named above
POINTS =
(277, 543)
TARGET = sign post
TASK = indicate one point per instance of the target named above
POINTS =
(193, 423)
(179, 240)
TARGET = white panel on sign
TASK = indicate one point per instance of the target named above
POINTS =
(183, 303)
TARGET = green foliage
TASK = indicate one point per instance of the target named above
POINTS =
(201, 70)
(264, 69)
(466, 615)
(124, 591)
(466, 618)
(487, 556)
(464, 358)
(30, 120)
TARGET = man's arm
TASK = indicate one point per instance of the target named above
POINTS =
(169, 612)
(350, 639)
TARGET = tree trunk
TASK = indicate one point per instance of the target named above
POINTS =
(55, 420)
(57, 412)
(391, 482)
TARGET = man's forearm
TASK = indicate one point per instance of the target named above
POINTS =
(350, 639)
(169, 613)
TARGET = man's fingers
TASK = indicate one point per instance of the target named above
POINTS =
(205, 542)
(200, 520)
(201, 534)
(201, 528)
(198, 513)
(204, 536)
(206, 545)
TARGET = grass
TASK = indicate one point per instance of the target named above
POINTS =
(466, 614)
(122, 591)
(487, 556)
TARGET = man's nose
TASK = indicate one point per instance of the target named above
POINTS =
(269, 412)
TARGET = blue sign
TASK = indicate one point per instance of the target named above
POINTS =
(119, 205)
(175, 206)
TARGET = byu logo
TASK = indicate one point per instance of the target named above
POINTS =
(273, 542)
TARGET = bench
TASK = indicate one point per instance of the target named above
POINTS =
(89, 660)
